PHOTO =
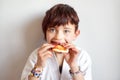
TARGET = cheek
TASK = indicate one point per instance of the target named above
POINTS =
(49, 37)
(69, 39)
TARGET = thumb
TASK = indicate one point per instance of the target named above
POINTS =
(66, 56)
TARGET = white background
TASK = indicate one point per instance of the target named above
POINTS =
(20, 34)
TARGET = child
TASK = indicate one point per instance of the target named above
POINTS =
(60, 27)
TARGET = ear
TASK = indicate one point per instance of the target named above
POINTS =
(77, 33)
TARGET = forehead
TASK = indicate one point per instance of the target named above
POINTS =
(68, 26)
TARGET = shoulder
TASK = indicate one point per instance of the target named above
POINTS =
(84, 53)
(85, 62)
(29, 64)
(33, 55)
(84, 57)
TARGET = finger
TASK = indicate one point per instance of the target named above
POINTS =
(66, 56)
(45, 45)
(75, 50)
(68, 45)
(45, 48)
(48, 54)
(72, 48)
(41, 54)
(43, 57)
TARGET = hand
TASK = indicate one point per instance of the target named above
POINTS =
(44, 53)
(72, 55)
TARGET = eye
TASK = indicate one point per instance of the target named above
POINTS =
(66, 31)
(51, 30)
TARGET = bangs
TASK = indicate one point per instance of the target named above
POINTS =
(60, 21)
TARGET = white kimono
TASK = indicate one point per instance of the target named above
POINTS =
(51, 70)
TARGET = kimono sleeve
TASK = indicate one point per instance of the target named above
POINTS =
(85, 65)
(29, 65)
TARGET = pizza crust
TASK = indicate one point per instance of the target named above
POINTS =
(59, 49)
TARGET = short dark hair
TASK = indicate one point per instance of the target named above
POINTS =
(60, 14)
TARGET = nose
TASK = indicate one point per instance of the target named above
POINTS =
(59, 36)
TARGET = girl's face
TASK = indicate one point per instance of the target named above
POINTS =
(61, 34)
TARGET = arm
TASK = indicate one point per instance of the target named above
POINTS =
(29, 65)
(79, 58)
(76, 73)
(36, 73)
(85, 67)
(85, 64)
(71, 58)
(38, 58)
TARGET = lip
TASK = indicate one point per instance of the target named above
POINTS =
(57, 42)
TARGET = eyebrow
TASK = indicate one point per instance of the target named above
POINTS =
(67, 28)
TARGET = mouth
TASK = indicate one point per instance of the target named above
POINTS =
(56, 43)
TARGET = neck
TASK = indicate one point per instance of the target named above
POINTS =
(60, 58)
